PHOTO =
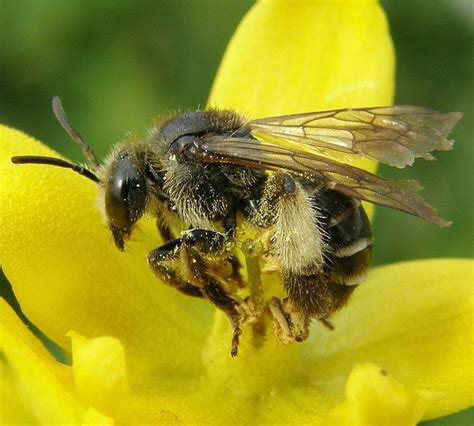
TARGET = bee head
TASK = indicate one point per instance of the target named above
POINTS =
(125, 195)
(122, 177)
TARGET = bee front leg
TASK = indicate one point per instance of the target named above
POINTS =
(164, 261)
(199, 244)
(182, 264)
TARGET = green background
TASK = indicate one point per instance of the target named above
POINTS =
(118, 64)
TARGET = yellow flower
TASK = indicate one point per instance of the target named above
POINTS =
(143, 353)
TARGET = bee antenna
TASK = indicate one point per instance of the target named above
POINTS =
(36, 159)
(73, 133)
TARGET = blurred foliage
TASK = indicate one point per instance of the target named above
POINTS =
(119, 63)
(116, 64)
(434, 42)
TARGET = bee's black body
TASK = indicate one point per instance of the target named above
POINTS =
(212, 195)
(200, 173)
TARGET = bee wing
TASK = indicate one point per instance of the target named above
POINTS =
(352, 181)
(394, 135)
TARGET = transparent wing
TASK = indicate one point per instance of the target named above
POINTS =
(395, 135)
(352, 181)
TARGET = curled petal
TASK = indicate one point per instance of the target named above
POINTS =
(100, 373)
(376, 398)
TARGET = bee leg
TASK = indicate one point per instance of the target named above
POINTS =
(238, 311)
(164, 261)
(164, 229)
(289, 324)
(328, 324)
(231, 308)
(168, 260)
(187, 255)
(205, 240)
(299, 243)
(198, 243)
(316, 296)
(236, 275)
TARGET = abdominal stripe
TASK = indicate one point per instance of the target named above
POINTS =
(354, 247)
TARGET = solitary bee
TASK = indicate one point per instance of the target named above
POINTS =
(202, 173)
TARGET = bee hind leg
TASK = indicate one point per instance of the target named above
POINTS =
(310, 297)
(289, 324)
(316, 296)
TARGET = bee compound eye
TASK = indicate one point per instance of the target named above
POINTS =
(125, 195)
(117, 201)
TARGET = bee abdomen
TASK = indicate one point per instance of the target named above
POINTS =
(351, 270)
(349, 238)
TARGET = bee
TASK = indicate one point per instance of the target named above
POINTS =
(202, 173)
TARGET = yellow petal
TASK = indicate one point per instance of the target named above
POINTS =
(58, 254)
(416, 321)
(94, 418)
(33, 386)
(92, 288)
(374, 398)
(99, 373)
(296, 56)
